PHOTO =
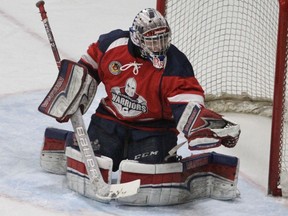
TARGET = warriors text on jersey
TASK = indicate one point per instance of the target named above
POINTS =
(138, 94)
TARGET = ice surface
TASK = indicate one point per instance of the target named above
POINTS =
(28, 71)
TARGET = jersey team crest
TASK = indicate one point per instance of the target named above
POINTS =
(127, 102)
(115, 67)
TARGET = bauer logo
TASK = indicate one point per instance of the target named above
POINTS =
(90, 161)
(114, 67)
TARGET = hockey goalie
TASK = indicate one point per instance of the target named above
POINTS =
(152, 96)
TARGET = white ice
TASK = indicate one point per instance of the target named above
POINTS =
(28, 70)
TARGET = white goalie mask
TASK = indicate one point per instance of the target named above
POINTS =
(151, 32)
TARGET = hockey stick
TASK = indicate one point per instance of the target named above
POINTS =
(40, 5)
(104, 192)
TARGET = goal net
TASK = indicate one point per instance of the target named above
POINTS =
(234, 49)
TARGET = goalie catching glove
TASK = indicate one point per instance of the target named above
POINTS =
(205, 129)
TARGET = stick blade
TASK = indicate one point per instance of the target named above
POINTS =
(124, 189)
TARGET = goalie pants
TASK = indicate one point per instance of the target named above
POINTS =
(120, 142)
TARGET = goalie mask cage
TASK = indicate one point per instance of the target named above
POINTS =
(238, 49)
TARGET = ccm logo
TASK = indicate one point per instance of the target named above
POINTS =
(145, 154)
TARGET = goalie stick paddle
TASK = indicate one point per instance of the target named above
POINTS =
(104, 192)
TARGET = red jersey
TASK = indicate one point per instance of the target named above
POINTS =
(139, 94)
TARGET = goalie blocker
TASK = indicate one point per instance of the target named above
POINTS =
(74, 88)
(206, 175)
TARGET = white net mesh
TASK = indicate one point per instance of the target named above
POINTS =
(283, 159)
(232, 46)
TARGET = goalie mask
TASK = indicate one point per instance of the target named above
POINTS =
(151, 32)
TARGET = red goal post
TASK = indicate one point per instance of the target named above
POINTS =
(238, 50)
